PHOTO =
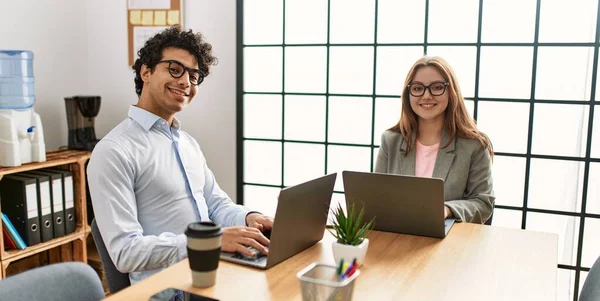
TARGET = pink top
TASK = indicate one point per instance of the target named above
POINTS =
(426, 155)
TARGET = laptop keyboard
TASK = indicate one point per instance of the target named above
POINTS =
(245, 257)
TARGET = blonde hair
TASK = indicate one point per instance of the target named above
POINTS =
(457, 122)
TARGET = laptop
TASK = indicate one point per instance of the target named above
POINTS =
(299, 223)
(401, 204)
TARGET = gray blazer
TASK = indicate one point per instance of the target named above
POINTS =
(465, 165)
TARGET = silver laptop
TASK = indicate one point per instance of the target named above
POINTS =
(299, 222)
(401, 204)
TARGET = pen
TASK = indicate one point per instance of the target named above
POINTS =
(345, 268)
(348, 272)
(352, 270)
(339, 271)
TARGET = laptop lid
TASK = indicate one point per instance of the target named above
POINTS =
(401, 204)
(300, 220)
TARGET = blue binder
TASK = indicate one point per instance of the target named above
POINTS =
(13, 232)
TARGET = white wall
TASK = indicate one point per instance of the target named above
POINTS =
(57, 39)
(80, 48)
(212, 115)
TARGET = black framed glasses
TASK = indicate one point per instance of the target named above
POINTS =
(435, 89)
(177, 69)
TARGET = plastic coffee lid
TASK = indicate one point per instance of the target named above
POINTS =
(203, 230)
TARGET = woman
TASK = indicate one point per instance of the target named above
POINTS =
(437, 138)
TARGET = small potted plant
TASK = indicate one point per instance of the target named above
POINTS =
(351, 234)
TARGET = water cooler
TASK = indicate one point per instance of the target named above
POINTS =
(21, 132)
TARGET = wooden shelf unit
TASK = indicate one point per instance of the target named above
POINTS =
(71, 247)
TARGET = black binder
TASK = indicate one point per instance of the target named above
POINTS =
(20, 204)
(68, 199)
(56, 200)
(44, 205)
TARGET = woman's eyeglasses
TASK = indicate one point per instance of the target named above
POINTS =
(435, 89)
(177, 69)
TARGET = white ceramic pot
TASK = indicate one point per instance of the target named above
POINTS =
(348, 253)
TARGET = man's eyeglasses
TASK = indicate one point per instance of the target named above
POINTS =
(435, 89)
(177, 69)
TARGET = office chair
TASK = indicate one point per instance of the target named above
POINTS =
(591, 287)
(55, 282)
(116, 280)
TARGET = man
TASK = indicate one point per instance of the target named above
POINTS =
(149, 179)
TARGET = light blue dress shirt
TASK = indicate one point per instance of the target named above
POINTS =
(148, 181)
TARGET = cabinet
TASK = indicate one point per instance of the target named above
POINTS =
(71, 247)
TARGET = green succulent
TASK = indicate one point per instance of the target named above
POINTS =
(350, 229)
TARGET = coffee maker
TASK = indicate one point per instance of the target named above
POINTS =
(81, 112)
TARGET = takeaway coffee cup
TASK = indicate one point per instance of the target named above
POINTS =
(204, 248)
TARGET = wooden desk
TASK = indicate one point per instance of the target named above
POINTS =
(473, 263)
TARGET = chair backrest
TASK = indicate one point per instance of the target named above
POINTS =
(489, 221)
(116, 280)
(55, 282)
(591, 287)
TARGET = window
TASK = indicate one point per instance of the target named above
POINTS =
(316, 97)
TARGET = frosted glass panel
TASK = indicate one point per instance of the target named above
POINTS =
(336, 198)
(596, 133)
(555, 185)
(470, 105)
(261, 199)
(387, 114)
(593, 196)
(351, 70)
(305, 69)
(507, 218)
(352, 21)
(509, 180)
(582, 276)
(393, 64)
(409, 28)
(297, 30)
(567, 228)
(303, 162)
(375, 154)
(521, 27)
(462, 59)
(577, 21)
(565, 280)
(559, 78)
(262, 116)
(263, 21)
(507, 135)
(262, 69)
(340, 158)
(262, 162)
(350, 119)
(569, 122)
(591, 243)
(298, 109)
(505, 72)
(453, 21)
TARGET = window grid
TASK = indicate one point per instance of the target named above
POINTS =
(476, 99)
(326, 87)
(373, 96)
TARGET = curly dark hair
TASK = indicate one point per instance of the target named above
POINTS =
(152, 51)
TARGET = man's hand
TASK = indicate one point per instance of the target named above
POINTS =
(259, 221)
(235, 239)
(447, 212)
